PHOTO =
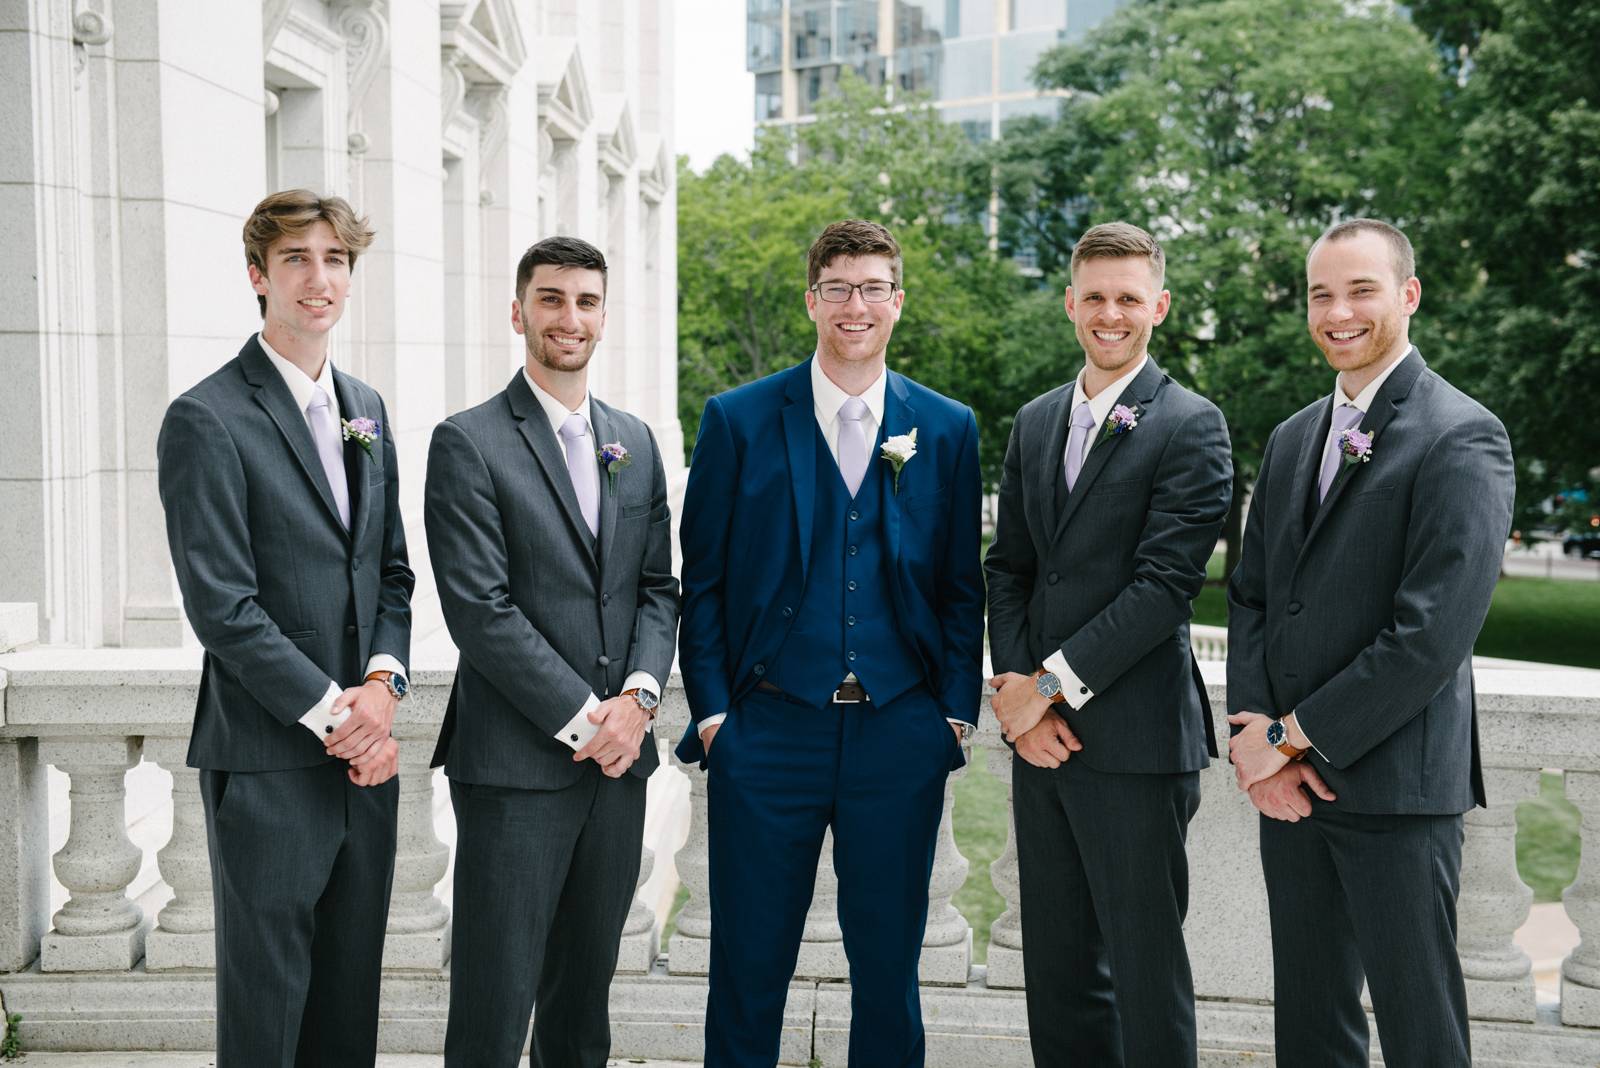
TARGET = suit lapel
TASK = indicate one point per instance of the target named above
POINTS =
(800, 436)
(552, 458)
(1384, 406)
(356, 460)
(898, 418)
(1057, 425)
(605, 431)
(1138, 395)
(272, 393)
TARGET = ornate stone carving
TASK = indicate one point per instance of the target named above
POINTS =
(366, 33)
(90, 28)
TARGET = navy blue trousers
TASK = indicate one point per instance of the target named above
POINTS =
(779, 775)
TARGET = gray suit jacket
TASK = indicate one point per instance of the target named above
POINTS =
(541, 616)
(1107, 573)
(1359, 615)
(281, 596)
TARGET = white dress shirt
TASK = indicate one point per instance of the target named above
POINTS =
(826, 400)
(1074, 689)
(321, 715)
(577, 731)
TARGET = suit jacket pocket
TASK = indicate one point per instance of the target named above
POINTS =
(634, 511)
(299, 635)
(1113, 489)
(923, 501)
(1376, 493)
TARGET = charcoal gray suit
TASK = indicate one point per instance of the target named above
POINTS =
(285, 601)
(1358, 614)
(544, 615)
(1105, 574)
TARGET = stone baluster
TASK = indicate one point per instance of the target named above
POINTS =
(689, 952)
(947, 941)
(99, 928)
(419, 924)
(1580, 972)
(640, 939)
(1005, 934)
(1494, 902)
(822, 941)
(185, 932)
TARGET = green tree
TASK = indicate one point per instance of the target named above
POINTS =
(1527, 206)
(744, 227)
(1235, 130)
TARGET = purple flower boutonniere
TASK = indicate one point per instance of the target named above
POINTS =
(362, 431)
(1355, 447)
(613, 458)
(1121, 420)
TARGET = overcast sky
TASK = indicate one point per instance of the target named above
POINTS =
(714, 93)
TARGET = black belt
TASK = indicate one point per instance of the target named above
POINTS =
(848, 693)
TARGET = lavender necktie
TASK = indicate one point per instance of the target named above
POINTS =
(1078, 441)
(330, 449)
(852, 442)
(584, 468)
(1345, 416)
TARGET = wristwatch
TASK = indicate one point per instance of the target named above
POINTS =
(647, 700)
(1278, 738)
(393, 681)
(967, 729)
(1048, 683)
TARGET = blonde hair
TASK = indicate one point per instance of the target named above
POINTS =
(1118, 240)
(294, 211)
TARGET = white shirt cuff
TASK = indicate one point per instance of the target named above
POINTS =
(322, 720)
(709, 722)
(1072, 688)
(578, 730)
(385, 662)
(1302, 729)
(641, 680)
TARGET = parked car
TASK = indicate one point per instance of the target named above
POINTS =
(1583, 546)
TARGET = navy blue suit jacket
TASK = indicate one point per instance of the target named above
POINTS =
(747, 530)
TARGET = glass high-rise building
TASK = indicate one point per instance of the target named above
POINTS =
(973, 57)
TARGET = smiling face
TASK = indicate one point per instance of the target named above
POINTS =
(854, 332)
(305, 285)
(1357, 310)
(1115, 304)
(562, 316)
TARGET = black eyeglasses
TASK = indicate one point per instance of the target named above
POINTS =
(839, 292)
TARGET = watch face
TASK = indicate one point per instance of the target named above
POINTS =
(1275, 733)
(646, 699)
(1048, 684)
(398, 683)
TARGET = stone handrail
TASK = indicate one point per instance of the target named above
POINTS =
(101, 973)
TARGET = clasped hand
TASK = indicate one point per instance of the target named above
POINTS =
(615, 746)
(364, 737)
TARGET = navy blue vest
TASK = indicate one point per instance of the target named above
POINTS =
(846, 620)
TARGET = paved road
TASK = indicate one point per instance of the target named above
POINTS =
(1542, 562)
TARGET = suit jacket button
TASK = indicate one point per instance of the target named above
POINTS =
(355, 565)
(603, 660)
(350, 628)
(760, 669)
(1294, 608)
(854, 514)
(1052, 578)
(851, 585)
(605, 599)
(851, 655)
(788, 613)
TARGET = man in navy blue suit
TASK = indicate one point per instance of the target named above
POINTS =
(831, 647)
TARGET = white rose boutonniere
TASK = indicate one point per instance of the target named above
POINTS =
(899, 451)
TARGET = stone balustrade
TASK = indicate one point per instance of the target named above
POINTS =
(102, 972)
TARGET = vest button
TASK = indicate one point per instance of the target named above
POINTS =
(850, 620)
(851, 655)
(1294, 608)
(603, 660)
(788, 613)
(1052, 578)
(852, 550)
(851, 585)
(760, 669)
(854, 514)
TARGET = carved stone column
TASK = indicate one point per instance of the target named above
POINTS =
(1005, 934)
(640, 939)
(1580, 972)
(98, 929)
(822, 940)
(419, 924)
(1495, 901)
(689, 952)
(185, 933)
(947, 942)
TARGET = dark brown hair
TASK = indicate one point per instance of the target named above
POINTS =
(850, 239)
(1118, 240)
(560, 252)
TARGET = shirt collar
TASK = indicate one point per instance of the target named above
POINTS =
(554, 410)
(828, 397)
(301, 385)
(1364, 399)
(1101, 403)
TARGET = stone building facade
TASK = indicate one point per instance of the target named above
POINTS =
(136, 135)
